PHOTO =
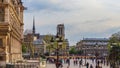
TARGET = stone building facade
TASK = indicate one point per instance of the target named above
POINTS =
(91, 46)
(61, 30)
(40, 47)
(34, 45)
(11, 30)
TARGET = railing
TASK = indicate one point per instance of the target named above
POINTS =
(23, 65)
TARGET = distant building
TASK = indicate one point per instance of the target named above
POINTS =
(34, 44)
(91, 46)
(39, 47)
(11, 30)
(61, 30)
(42, 44)
(61, 33)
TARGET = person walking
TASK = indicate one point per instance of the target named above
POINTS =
(80, 63)
(91, 66)
(87, 65)
(68, 61)
(74, 61)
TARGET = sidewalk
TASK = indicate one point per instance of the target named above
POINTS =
(71, 66)
(64, 66)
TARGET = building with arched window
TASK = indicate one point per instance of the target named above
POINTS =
(11, 30)
(91, 46)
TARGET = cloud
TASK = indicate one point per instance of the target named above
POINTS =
(60, 5)
(41, 5)
(95, 18)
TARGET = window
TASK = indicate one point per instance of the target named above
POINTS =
(1, 58)
(1, 42)
(1, 14)
(13, 2)
(1, 1)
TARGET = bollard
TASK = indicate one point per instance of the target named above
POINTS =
(43, 63)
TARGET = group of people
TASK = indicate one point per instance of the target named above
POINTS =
(79, 61)
(59, 63)
(76, 62)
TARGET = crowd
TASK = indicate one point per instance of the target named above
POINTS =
(79, 62)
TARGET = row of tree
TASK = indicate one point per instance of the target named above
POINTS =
(73, 51)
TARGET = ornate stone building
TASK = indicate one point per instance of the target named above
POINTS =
(61, 33)
(11, 30)
(40, 47)
(61, 30)
(34, 43)
(91, 46)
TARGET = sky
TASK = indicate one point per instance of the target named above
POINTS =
(82, 18)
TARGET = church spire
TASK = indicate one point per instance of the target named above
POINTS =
(33, 25)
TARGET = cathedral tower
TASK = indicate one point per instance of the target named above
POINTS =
(61, 30)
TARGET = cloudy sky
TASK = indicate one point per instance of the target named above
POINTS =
(82, 18)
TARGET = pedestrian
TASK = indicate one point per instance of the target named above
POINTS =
(74, 61)
(92, 60)
(98, 62)
(91, 66)
(68, 61)
(67, 66)
(80, 63)
(87, 65)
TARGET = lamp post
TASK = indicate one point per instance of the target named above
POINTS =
(59, 42)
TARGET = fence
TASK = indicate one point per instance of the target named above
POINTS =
(23, 65)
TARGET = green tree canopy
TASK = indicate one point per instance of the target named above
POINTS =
(114, 49)
(115, 38)
(24, 49)
(72, 50)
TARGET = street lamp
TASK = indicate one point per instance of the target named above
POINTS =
(59, 42)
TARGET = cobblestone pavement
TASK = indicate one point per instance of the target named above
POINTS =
(77, 66)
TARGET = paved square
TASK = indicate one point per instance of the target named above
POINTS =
(77, 66)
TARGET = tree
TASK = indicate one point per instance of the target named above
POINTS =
(52, 48)
(72, 51)
(47, 42)
(24, 49)
(79, 52)
(47, 38)
(114, 55)
(115, 38)
(114, 50)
